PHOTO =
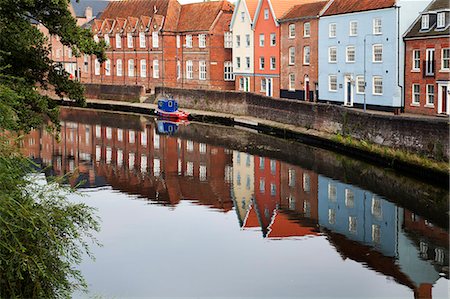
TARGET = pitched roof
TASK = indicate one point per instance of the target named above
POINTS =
(251, 6)
(200, 16)
(347, 6)
(280, 7)
(304, 10)
(435, 6)
(135, 8)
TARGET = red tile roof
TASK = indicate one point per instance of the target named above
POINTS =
(280, 7)
(251, 6)
(304, 10)
(135, 8)
(283, 227)
(200, 16)
(347, 6)
(172, 16)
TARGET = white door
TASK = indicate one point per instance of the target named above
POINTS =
(348, 91)
(269, 87)
(443, 103)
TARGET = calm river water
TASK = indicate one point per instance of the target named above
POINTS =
(200, 210)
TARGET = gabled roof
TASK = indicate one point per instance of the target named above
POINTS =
(108, 25)
(338, 7)
(250, 8)
(307, 10)
(135, 8)
(120, 24)
(279, 8)
(283, 227)
(201, 16)
(144, 21)
(132, 23)
(434, 7)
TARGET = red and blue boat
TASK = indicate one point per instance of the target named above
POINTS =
(168, 108)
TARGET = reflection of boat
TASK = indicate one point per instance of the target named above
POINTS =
(168, 126)
(169, 108)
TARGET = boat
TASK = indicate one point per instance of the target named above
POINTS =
(168, 108)
(169, 126)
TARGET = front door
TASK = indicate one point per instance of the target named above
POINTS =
(348, 93)
(247, 84)
(306, 88)
(443, 99)
(269, 87)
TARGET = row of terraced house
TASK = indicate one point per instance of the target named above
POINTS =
(391, 55)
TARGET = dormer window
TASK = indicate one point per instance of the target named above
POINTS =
(441, 20)
(425, 22)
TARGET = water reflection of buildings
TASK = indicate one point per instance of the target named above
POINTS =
(371, 230)
(279, 199)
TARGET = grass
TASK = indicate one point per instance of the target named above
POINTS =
(393, 154)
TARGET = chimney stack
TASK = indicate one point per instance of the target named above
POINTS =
(88, 13)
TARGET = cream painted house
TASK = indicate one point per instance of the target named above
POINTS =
(243, 44)
(243, 183)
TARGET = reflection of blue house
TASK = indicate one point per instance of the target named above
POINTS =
(358, 214)
(361, 51)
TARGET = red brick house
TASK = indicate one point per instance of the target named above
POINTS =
(299, 51)
(427, 61)
(162, 43)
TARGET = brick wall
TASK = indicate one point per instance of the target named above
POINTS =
(129, 93)
(415, 134)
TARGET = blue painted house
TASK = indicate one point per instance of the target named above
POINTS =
(361, 52)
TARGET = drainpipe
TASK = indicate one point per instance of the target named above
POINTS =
(402, 95)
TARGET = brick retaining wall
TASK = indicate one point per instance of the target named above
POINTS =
(424, 135)
(128, 93)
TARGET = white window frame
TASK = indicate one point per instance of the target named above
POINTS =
(129, 40)
(107, 41)
(261, 40)
(143, 68)
(119, 68)
(415, 59)
(247, 63)
(202, 70)
(155, 39)
(353, 28)
(178, 69)
(445, 59)
(291, 56)
(202, 40)
(425, 22)
(330, 77)
(247, 41)
(415, 95)
(238, 63)
(273, 63)
(228, 74)
(242, 16)
(97, 67)
(188, 41)
(430, 95)
(440, 22)
(329, 54)
(292, 82)
(306, 55)
(306, 29)
(228, 40)
(348, 50)
(178, 41)
(130, 65)
(155, 68)
(374, 60)
(263, 89)
(266, 14)
(241, 83)
(108, 67)
(238, 41)
(377, 26)
(262, 63)
(118, 41)
(189, 69)
(360, 79)
(332, 30)
(273, 39)
(374, 86)
(291, 31)
(142, 43)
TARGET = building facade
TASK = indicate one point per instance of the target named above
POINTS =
(162, 43)
(243, 45)
(427, 61)
(361, 57)
(299, 51)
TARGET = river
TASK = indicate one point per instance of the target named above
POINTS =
(201, 210)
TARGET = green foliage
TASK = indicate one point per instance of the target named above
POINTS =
(26, 69)
(43, 235)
